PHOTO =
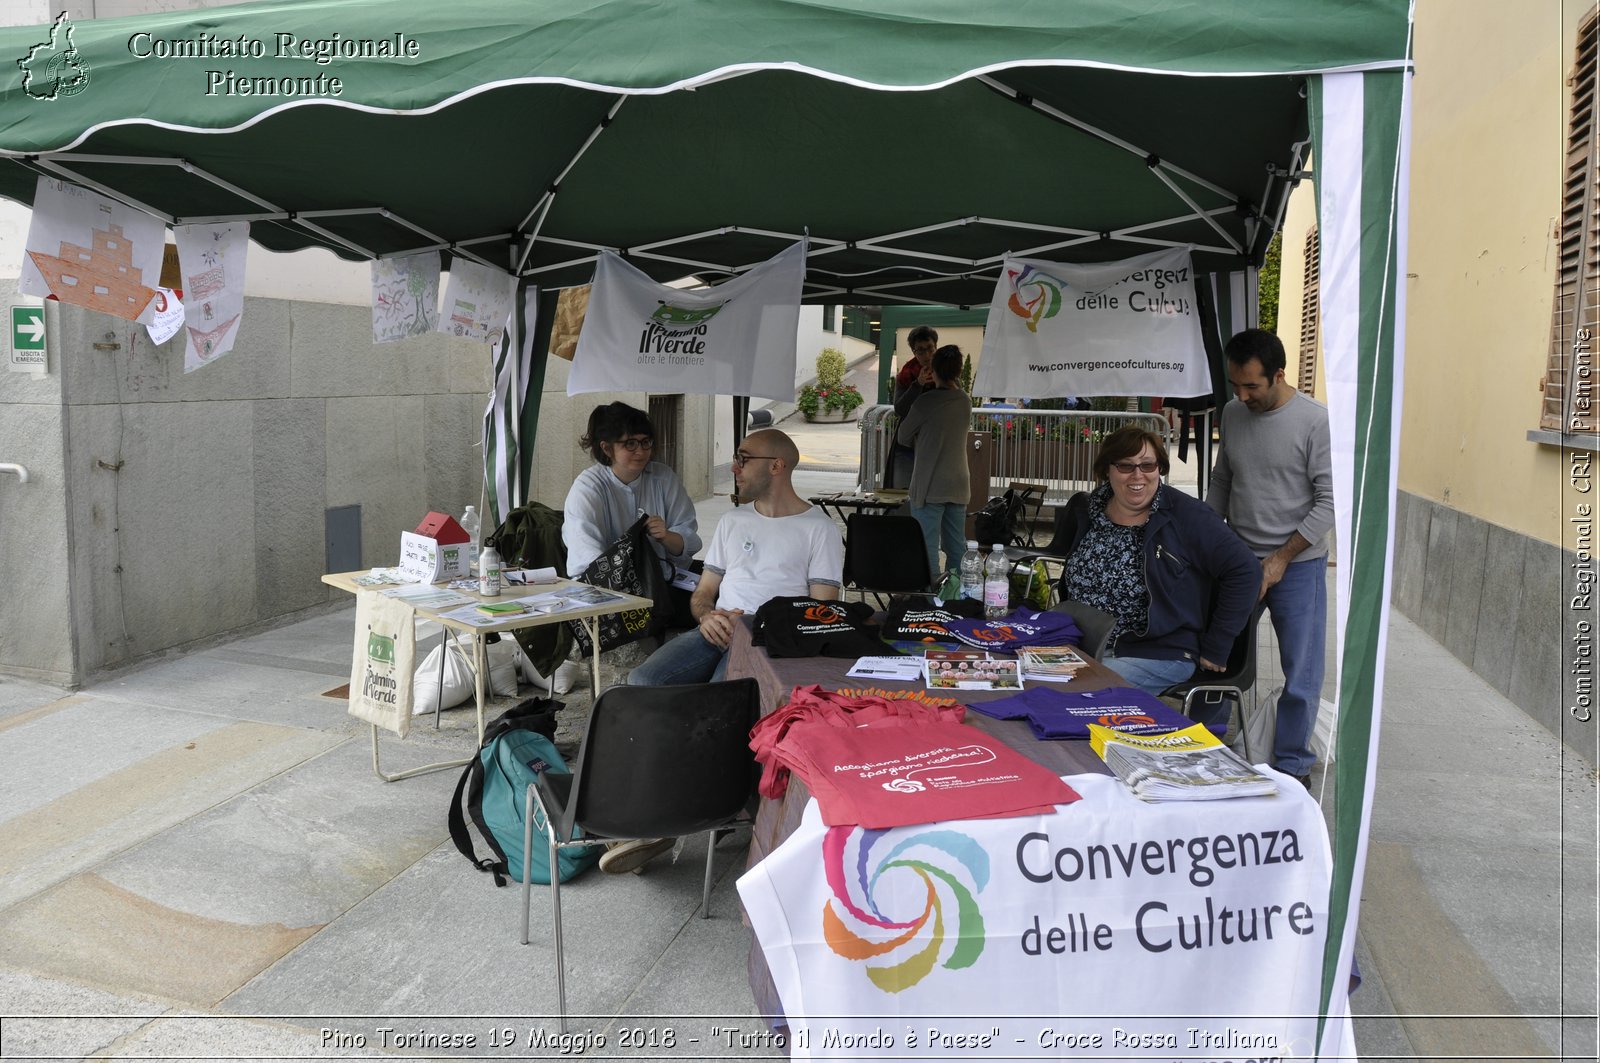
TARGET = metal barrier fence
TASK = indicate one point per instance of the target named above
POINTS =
(1055, 448)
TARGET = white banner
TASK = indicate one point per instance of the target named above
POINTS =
(1113, 328)
(477, 302)
(90, 250)
(735, 339)
(212, 260)
(1111, 929)
(405, 296)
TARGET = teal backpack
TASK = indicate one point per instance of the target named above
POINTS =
(492, 791)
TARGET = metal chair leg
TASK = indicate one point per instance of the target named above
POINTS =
(527, 872)
(711, 853)
(561, 959)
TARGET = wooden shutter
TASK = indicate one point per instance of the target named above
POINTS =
(1310, 313)
(1577, 295)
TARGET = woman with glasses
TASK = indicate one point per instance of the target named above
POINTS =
(1179, 581)
(623, 485)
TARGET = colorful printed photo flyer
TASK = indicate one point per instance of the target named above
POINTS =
(970, 670)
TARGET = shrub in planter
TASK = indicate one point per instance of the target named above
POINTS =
(841, 398)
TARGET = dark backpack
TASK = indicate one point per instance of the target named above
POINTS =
(530, 537)
(493, 791)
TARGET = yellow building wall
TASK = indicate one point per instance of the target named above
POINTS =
(1489, 119)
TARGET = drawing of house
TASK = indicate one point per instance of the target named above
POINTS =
(103, 278)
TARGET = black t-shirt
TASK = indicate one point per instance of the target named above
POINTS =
(809, 627)
(916, 618)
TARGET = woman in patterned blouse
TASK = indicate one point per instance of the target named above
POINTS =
(1179, 581)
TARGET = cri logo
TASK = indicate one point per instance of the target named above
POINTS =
(822, 614)
(952, 867)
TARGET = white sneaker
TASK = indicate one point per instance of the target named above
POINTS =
(622, 857)
(569, 676)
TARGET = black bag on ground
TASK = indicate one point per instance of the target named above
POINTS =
(629, 565)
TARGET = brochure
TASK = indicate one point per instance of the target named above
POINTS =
(1187, 765)
(970, 670)
(427, 596)
(1054, 664)
(897, 669)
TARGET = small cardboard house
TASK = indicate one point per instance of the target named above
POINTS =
(437, 550)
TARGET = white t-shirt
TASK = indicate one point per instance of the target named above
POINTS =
(764, 557)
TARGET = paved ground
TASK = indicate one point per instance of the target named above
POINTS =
(197, 861)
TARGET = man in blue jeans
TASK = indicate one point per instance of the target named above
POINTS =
(1273, 482)
(779, 544)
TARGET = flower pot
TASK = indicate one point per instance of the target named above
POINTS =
(833, 416)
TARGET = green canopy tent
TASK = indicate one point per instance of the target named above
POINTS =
(914, 142)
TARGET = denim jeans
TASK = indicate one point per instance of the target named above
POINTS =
(1149, 674)
(689, 658)
(944, 522)
(1299, 607)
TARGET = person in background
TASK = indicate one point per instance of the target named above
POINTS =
(1179, 581)
(779, 544)
(933, 421)
(1274, 483)
(623, 485)
(923, 341)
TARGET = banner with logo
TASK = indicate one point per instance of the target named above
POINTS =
(1112, 328)
(211, 259)
(384, 661)
(92, 251)
(1110, 929)
(734, 339)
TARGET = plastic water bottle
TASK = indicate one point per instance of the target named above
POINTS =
(489, 572)
(996, 583)
(972, 572)
(471, 525)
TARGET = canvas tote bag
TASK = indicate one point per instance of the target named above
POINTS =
(383, 662)
(628, 565)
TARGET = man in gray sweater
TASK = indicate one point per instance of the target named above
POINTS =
(1273, 483)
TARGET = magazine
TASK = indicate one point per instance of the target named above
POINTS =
(970, 670)
(1054, 664)
(1187, 765)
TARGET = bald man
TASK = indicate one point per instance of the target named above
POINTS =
(779, 544)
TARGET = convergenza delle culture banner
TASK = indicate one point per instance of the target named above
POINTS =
(1111, 328)
(734, 339)
(1110, 929)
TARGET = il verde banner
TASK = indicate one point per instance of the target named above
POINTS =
(1113, 328)
(1111, 929)
(734, 339)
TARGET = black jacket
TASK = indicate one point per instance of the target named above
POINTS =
(1202, 579)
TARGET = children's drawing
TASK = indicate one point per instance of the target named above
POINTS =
(88, 250)
(212, 261)
(405, 296)
(478, 301)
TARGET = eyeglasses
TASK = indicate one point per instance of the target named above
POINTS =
(741, 458)
(633, 446)
(1128, 468)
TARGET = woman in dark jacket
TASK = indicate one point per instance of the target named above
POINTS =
(1179, 581)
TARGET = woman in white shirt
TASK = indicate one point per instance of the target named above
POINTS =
(622, 486)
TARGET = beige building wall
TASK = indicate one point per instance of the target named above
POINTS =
(1488, 146)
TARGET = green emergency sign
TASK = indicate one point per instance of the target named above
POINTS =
(27, 328)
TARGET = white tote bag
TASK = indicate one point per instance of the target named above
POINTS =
(382, 663)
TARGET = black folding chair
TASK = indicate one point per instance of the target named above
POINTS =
(885, 554)
(1210, 692)
(656, 762)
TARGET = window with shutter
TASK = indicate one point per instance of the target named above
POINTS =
(1569, 397)
(1310, 314)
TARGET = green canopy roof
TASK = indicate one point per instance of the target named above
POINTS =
(531, 134)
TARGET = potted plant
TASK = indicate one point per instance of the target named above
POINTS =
(830, 398)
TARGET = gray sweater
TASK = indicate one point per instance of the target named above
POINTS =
(935, 427)
(1274, 476)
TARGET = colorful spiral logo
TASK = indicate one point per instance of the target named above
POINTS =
(1034, 296)
(853, 896)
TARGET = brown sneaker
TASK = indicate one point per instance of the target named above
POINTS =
(622, 857)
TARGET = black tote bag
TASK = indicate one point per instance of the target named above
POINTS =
(629, 565)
